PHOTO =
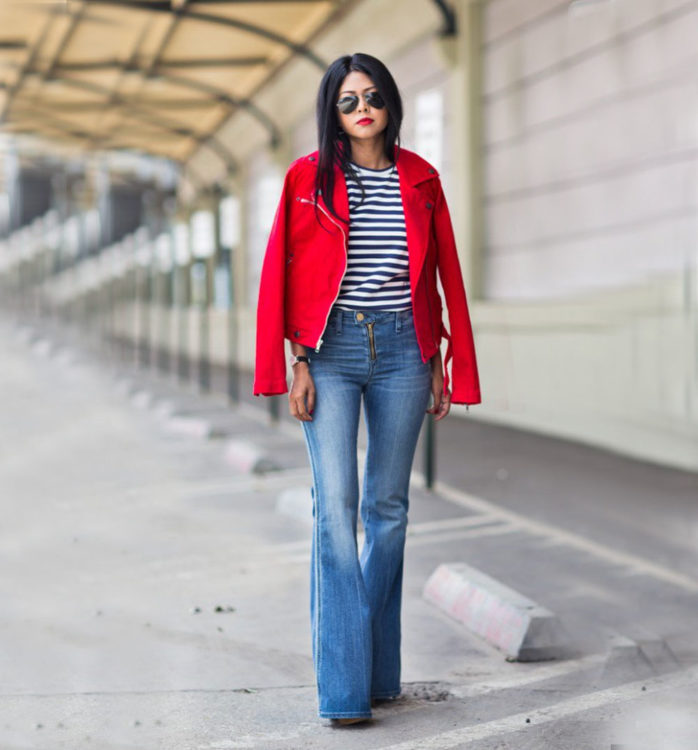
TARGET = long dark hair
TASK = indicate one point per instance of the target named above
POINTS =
(333, 145)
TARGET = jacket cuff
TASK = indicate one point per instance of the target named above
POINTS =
(465, 397)
(270, 388)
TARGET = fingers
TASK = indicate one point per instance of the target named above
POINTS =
(436, 395)
(442, 401)
(444, 407)
(298, 408)
(301, 402)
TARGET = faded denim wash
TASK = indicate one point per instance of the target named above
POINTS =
(355, 599)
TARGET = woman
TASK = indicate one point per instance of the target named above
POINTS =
(349, 277)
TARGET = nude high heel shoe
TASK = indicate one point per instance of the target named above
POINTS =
(349, 720)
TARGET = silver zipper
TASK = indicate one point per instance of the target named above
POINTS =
(327, 316)
(371, 340)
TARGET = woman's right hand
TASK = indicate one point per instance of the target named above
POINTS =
(301, 397)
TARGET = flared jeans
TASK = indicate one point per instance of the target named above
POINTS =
(355, 598)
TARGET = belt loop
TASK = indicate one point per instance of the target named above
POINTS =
(339, 317)
(398, 322)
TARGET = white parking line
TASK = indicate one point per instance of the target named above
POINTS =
(560, 536)
(524, 673)
(416, 529)
(537, 717)
(426, 538)
(491, 529)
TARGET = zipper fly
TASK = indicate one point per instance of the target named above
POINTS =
(370, 339)
(339, 286)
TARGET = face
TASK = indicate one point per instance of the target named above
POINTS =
(359, 84)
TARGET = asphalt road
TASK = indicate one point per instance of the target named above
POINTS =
(154, 596)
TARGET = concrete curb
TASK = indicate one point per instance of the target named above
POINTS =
(248, 458)
(24, 332)
(124, 385)
(189, 426)
(190, 418)
(141, 398)
(507, 620)
(65, 356)
(163, 407)
(638, 652)
(43, 346)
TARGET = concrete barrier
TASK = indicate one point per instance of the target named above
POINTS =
(507, 620)
(43, 347)
(637, 652)
(248, 458)
(141, 398)
(25, 333)
(65, 356)
(164, 407)
(124, 385)
(189, 426)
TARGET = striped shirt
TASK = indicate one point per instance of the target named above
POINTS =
(377, 274)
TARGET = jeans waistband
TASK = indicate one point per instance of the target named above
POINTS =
(340, 318)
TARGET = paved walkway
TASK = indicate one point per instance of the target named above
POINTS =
(154, 597)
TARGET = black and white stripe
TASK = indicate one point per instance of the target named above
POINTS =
(377, 272)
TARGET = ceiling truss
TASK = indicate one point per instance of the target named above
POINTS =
(152, 76)
(97, 73)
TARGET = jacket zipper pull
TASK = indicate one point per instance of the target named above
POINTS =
(344, 246)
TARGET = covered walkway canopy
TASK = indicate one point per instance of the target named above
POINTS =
(153, 76)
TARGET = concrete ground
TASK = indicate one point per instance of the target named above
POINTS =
(154, 596)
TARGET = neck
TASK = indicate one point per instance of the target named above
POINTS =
(369, 154)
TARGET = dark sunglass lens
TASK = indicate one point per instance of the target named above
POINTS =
(375, 99)
(347, 104)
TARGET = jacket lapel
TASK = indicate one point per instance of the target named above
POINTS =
(418, 210)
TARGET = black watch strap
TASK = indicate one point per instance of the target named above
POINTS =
(300, 358)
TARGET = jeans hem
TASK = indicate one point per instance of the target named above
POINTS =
(344, 714)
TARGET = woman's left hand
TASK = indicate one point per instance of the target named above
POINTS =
(442, 401)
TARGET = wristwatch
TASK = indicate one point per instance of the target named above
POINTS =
(296, 358)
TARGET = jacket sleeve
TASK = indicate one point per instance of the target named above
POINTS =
(270, 358)
(461, 345)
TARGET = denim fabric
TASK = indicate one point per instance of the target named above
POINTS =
(355, 599)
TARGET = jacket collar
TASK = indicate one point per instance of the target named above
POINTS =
(413, 168)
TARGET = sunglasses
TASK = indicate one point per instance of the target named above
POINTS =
(350, 102)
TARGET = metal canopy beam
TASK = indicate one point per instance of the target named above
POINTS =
(187, 62)
(213, 95)
(30, 62)
(166, 7)
(159, 103)
(449, 16)
(146, 114)
(224, 98)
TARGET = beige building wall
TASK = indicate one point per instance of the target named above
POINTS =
(587, 327)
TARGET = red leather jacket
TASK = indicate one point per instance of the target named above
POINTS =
(304, 265)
